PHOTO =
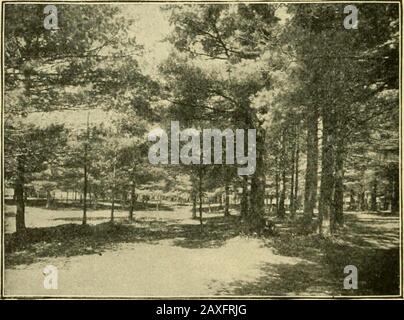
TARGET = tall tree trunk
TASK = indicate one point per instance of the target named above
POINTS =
(310, 187)
(48, 199)
(373, 196)
(281, 206)
(194, 202)
(352, 202)
(395, 190)
(19, 188)
(20, 196)
(221, 202)
(277, 186)
(85, 171)
(385, 203)
(297, 172)
(226, 199)
(281, 209)
(244, 198)
(132, 199)
(112, 207)
(113, 189)
(361, 200)
(85, 187)
(200, 193)
(95, 203)
(327, 178)
(292, 175)
(339, 185)
(257, 194)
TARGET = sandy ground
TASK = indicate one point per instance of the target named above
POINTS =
(149, 270)
(161, 268)
(141, 269)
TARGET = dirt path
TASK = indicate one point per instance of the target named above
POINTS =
(175, 266)
(150, 270)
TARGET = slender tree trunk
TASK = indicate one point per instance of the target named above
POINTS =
(20, 196)
(221, 202)
(385, 202)
(310, 187)
(362, 205)
(339, 186)
(395, 191)
(95, 204)
(19, 187)
(292, 176)
(227, 199)
(112, 207)
(132, 199)
(327, 179)
(297, 173)
(113, 189)
(200, 192)
(352, 204)
(244, 198)
(257, 194)
(281, 207)
(85, 189)
(373, 196)
(85, 172)
(48, 200)
(194, 204)
(277, 187)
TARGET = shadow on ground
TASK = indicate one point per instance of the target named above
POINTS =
(74, 239)
(370, 246)
(369, 242)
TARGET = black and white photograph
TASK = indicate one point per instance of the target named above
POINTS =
(192, 150)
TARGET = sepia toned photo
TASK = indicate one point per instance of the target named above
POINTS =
(192, 150)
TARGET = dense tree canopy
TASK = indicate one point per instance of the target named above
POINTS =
(323, 101)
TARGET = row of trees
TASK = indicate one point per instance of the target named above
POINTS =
(310, 87)
(89, 62)
(323, 101)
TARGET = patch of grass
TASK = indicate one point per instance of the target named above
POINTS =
(63, 240)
